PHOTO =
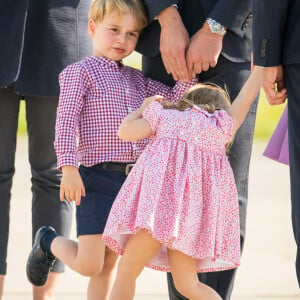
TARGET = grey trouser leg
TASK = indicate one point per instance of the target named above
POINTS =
(9, 109)
(46, 206)
(233, 75)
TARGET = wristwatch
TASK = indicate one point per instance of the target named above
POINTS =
(216, 27)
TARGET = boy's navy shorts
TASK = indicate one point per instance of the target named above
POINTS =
(101, 188)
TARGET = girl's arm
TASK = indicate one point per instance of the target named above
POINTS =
(134, 127)
(246, 96)
(172, 94)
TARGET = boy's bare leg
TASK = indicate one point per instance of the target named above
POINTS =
(47, 292)
(88, 257)
(100, 285)
(2, 279)
(85, 256)
(138, 252)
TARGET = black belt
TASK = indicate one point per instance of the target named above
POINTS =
(116, 167)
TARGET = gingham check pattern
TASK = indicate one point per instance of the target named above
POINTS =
(96, 94)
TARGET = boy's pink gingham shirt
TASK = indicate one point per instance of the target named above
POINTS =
(96, 94)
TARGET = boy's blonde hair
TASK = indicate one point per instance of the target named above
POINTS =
(208, 96)
(100, 8)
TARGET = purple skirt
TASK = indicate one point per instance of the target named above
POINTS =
(277, 147)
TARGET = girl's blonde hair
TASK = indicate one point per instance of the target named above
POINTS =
(100, 8)
(208, 96)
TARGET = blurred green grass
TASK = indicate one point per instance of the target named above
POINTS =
(266, 120)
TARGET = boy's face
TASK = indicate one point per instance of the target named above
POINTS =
(115, 37)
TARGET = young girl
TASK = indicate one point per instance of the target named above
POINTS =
(95, 96)
(178, 210)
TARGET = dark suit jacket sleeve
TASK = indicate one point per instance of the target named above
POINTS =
(269, 19)
(154, 7)
(235, 15)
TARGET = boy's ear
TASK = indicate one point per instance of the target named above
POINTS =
(91, 28)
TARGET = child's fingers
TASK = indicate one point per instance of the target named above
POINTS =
(61, 193)
(67, 194)
(77, 197)
(72, 194)
(158, 97)
(82, 190)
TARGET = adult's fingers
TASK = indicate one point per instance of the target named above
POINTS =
(274, 96)
(170, 66)
(197, 68)
(182, 69)
(280, 86)
(205, 66)
(213, 63)
(167, 63)
(177, 66)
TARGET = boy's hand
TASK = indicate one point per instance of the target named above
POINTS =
(71, 186)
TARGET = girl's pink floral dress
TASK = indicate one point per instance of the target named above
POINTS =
(182, 191)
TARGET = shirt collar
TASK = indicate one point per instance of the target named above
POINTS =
(196, 107)
(106, 62)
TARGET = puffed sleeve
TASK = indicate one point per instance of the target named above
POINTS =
(225, 123)
(152, 114)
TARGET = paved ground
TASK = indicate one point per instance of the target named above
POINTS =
(267, 269)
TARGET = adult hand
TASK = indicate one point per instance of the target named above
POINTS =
(71, 186)
(174, 40)
(273, 85)
(204, 50)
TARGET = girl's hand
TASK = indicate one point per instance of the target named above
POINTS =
(149, 100)
(71, 186)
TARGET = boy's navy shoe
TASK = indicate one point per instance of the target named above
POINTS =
(39, 261)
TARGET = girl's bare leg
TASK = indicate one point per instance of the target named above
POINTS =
(138, 252)
(184, 271)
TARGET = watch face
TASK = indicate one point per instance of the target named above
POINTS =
(216, 27)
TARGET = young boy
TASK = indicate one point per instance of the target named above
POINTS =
(95, 96)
